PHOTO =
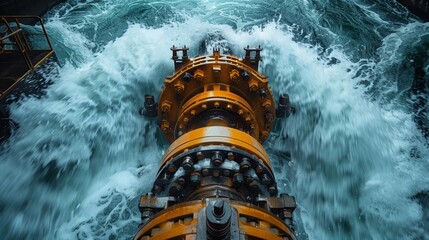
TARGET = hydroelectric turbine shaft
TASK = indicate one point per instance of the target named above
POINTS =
(215, 180)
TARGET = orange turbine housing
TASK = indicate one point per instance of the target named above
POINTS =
(215, 180)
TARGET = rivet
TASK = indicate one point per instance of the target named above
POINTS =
(230, 156)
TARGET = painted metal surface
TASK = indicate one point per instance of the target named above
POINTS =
(215, 180)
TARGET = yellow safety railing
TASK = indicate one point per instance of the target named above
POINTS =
(18, 54)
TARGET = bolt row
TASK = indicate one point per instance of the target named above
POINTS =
(246, 172)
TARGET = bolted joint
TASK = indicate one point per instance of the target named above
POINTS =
(245, 75)
(165, 106)
(253, 85)
(175, 189)
(199, 75)
(217, 159)
(179, 87)
(234, 75)
(196, 179)
(238, 179)
(188, 164)
(244, 165)
(187, 77)
(263, 93)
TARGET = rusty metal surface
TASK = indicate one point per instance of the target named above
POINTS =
(18, 57)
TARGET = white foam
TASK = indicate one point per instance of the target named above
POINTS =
(350, 171)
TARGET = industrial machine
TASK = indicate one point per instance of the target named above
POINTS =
(215, 180)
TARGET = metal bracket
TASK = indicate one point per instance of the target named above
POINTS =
(179, 61)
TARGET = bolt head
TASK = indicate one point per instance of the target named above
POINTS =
(205, 172)
(199, 75)
(200, 155)
(179, 87)
(230, 156)
(172, 168)
(244, 165)
(196, 179)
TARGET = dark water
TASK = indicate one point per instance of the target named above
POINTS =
(355, 154)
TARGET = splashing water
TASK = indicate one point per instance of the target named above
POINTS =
(355, 154)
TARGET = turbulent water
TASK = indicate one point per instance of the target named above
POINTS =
(355, 154)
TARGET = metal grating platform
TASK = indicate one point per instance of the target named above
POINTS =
(19, 56)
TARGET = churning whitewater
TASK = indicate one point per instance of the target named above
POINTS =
(355, 153)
